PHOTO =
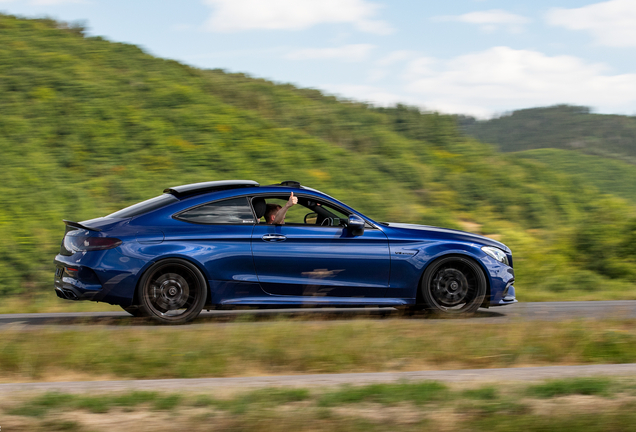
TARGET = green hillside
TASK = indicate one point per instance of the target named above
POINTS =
(562, 126)
(89, 126)
(610, 176)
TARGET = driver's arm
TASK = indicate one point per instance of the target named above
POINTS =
(280, 216)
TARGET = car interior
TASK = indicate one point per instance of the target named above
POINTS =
(308, 211)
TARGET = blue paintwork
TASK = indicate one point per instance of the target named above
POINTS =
(307, 265)
(321, 261)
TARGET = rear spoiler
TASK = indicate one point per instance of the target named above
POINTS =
(79, 225)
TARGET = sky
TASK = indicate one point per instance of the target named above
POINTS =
(475, 57)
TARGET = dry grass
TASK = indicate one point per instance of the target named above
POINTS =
(48, 302)
(401, 407)
(300, 347)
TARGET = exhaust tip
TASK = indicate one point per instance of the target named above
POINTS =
(70, 295)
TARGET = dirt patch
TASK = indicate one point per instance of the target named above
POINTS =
(575, 404)
(118, 420)
(399, 414)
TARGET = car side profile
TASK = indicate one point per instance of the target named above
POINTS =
(206, 245)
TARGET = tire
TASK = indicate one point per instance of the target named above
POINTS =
(453, 285)
(135, 311)
(172, 291)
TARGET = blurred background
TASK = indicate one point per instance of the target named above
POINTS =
(512, 121)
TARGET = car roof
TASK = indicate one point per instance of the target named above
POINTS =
(205, 187)
(201, 190)
(193, 189)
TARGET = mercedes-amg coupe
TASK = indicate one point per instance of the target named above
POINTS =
(208, 245)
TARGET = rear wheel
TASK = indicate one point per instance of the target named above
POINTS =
(172, 291)
(453, 285)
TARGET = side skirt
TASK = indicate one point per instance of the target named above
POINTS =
(318, 301)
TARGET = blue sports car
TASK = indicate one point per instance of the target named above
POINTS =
(215, 244)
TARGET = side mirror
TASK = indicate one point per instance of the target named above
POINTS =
(355, 225)
(311, 218)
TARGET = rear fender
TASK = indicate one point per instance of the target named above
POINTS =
(165, 257)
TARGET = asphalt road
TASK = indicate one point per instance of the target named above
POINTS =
(548, 311)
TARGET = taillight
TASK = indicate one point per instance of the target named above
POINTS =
(71, 271)
(77, 243)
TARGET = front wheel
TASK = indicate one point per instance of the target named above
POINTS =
(172, 291)
(453, 285)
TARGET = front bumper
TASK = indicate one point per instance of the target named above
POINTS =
(502, 279)
(509, 297)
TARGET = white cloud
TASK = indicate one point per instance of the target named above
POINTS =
(239, 15)
(350, 53)
(502, 78)
(489, 20)
(612, 23)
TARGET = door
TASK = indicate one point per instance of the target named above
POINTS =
(316, 256)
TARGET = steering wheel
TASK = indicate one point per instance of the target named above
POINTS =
(327, 222)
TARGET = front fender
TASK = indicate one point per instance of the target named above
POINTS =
(410, 261)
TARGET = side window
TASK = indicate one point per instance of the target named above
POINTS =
(310, 211)
(234, 211)
(294, 215)
(325, 215)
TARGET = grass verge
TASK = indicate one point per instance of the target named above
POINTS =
(301, 347)
(397, 407)
(48, 302)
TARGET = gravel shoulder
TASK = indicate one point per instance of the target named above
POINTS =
(326, 380)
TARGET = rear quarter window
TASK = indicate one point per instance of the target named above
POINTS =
(144, 207)
(235, 211)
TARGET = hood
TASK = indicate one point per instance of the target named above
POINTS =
(460, 235)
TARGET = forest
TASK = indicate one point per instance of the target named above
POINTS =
(561, 126)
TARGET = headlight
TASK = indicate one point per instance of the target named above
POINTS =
(496, 253)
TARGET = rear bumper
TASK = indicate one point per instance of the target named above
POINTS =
(70, 292)
(71, 288)
(103, 276)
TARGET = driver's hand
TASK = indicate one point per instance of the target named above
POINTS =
(292, 200)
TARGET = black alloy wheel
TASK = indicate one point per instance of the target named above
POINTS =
(172, 291)
(453, 285)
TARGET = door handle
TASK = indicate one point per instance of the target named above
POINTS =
(274, 237)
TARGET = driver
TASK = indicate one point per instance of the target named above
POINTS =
(275, 214)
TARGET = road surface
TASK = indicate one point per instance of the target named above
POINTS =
(547, 311)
